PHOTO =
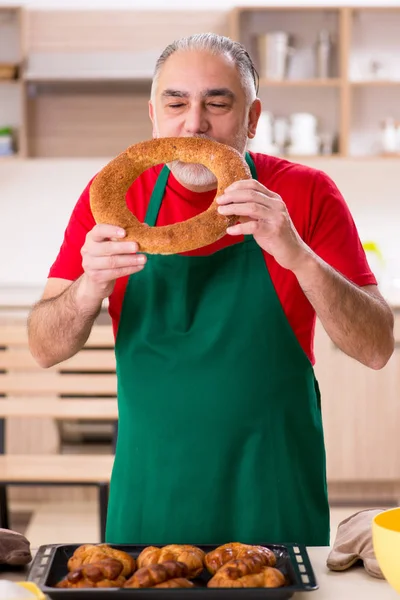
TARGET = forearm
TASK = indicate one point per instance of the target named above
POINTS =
(360, 324)
(58, 327)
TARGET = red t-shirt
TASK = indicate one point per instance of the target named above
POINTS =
(315, 205)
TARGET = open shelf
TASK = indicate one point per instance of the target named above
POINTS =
(87, 75)
(11, 97)
(364, 81)
(95, 78)
(376, 83)
(332, 82)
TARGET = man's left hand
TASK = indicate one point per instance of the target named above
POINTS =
(263, 214)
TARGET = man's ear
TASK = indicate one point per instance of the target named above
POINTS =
(254, 115)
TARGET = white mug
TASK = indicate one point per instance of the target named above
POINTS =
(273, 53)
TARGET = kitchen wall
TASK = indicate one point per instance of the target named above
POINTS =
(38, 195)
(194, 5)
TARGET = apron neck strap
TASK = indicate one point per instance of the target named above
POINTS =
(251, 165)
(159, 189)
(253, 172)
(156, 197)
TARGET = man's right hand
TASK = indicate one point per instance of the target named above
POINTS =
(105, 257)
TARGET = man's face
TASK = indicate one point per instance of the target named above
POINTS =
(200, 94)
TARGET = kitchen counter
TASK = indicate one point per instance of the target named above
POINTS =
(348, 585)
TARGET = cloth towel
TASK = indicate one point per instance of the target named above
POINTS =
(354, 542)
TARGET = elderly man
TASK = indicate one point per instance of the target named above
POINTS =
(220, 433)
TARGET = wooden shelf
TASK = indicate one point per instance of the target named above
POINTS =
(10, 157)
(364, 83)
(300, 157)
(87, 97)
(10, 81)
(375, 83)
(87, 79)
(333, 82)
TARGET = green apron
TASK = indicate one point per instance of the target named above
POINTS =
(220, 432)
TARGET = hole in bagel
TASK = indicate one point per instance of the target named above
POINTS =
(179, 203)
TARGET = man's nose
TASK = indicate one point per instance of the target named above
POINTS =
(196, 121)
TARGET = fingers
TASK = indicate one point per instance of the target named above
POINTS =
(110, 248)
(113, 262)
(105, 260)
(102, 232)
(252, 210)
(103, 276)
(250, 185)
(248, 228)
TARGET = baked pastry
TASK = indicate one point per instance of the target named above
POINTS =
(179, 582)
(109, 187)
(148, 577)
(247, 572)
(215, 559)
(104, 574)
(91, 553)
(191, 556)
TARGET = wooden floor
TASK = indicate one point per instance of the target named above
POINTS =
(64, 523)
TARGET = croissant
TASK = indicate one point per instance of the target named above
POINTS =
(90, 553)
(191, 556)
(247, 572)
(215, 559)
(106, 573)
(147, 577)
(179, 582)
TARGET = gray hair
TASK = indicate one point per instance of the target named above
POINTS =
(218, 45)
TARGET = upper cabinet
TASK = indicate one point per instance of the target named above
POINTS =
(76, 83)
(11, 63)
(87, 77)
(329, 78)
(374, 77)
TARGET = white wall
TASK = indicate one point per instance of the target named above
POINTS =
(187, 4)
(37, 196)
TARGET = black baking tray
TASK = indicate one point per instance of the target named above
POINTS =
(50, 566)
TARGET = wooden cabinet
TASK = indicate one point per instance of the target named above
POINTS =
(361, 413)
(363, 87)
(11, 86)
(84, 87)
(86, 82)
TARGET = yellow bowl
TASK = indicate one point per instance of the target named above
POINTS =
(386, 541)
(32, 587)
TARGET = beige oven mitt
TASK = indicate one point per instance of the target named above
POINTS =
(353, 542)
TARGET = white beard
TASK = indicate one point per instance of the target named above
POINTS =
(196, 174)
(192, 174)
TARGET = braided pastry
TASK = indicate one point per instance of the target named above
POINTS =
(191, 556)
(247, 572)
(179, 582)
(104, 574)
(148, 577)
(90, 553)
(215, 559)
(109, 187)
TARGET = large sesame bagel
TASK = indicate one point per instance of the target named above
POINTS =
(109, 187)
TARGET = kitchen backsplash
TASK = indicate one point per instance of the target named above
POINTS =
(38, 195)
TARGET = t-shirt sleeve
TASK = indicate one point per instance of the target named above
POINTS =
(68, 264)
(333, 234)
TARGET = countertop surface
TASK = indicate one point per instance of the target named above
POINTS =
(348, 585)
